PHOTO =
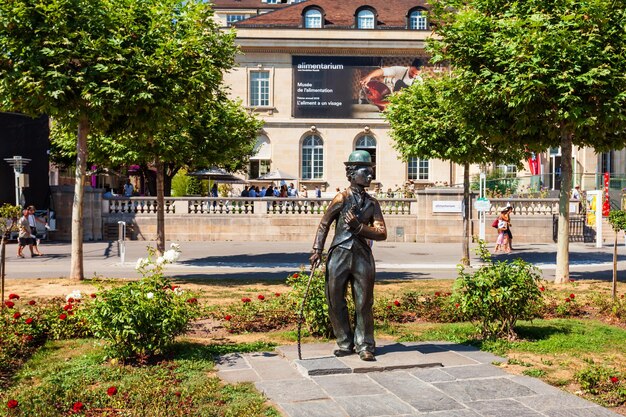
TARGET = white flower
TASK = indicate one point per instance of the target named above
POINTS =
(76, 295)
(171, 255)
(150, 295)
(160, 260)
(141, 263)
(178, 291)
(175, 246)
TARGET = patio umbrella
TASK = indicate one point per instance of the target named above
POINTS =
(217, 174)
(276, 175)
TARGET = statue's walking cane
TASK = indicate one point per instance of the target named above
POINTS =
(301, 315)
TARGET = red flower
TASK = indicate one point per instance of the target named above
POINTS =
(68, 307)
(177, 393)
(70, 300)
(9, 304)
(29, 320)
(192, 301)
(296, 275)
(542, 289)
(78, 407)
(572, 296)
(396, 303)
(227, 317)
(12, 404)
(621, 296)
(93, 295)
(111, 391)
(571, 280)
(63, 316)
(614, 379)
(276, 294)
(245, 300)
(437, 294)
(567, 300)
(389, 307)
(261, 297)
(14, 297)
(28, 338)
(32, 302)
(17, 315)
(457, 305)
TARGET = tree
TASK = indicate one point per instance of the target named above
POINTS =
(222, 134)
(428, 121)
(93, 63)
(547, 74)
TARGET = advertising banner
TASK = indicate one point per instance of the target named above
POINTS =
(349, 87)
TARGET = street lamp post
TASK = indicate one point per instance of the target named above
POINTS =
(18, 163)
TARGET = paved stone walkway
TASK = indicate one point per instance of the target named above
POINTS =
(436, 379)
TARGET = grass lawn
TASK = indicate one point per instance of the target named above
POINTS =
(63, 373)
(565, 352)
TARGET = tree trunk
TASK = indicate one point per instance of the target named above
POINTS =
(614, 290)
(160, 174)
(3, 255)
(168, 176)
(465, 259)
(562, 248)
(76, 268)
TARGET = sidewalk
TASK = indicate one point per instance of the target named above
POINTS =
(275, 260)
(430, 379)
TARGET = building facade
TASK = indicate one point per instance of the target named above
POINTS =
(303, 69)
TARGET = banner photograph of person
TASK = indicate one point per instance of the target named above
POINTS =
(351, 87)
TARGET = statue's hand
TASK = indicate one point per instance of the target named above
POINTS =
(316, 259)
(352, 220)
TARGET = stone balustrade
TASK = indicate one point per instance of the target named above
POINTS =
(527, 206)
(235, 206)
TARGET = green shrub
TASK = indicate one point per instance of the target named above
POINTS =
(261, 313)
(605, 384)
(498, 295)
(25, 324)
(613, 308)
(142, 318)
(316, 308)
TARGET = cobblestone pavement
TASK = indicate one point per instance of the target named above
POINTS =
(437, 379)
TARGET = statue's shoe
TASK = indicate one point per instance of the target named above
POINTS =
(342, 352)
(367, 356)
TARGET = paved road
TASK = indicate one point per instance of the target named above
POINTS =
(274, 260)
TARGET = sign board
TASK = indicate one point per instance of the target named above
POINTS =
(482, 204)
(449, 206)
(335, 86)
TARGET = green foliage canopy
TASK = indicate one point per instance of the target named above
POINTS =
(428, 120)
(540, 70)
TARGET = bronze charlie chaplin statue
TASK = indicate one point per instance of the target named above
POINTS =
(359, 219)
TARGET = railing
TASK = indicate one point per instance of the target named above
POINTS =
(240, 205)
(138, 205)
(527, 206)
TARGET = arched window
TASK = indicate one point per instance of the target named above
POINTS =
(313, 18)
(312, 158)
(418, 20)
(367, 143)
(365, 19)
(260, 162)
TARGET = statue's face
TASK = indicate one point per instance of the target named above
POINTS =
(363, 176)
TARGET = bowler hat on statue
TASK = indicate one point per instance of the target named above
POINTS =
(360, 158)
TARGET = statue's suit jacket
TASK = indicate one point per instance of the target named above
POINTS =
(368, 211)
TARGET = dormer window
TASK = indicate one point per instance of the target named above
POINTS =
(313, 18)
(365, 19)
(418, 20)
